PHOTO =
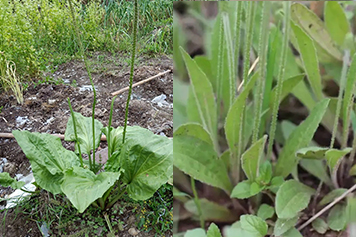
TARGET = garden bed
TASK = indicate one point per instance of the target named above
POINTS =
(46, 110)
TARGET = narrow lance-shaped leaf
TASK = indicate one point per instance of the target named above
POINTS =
(336, 21)
(348, 95)
(314, 27)
(252, 157)
(203, 95)
(299, 138)
(233, 122)
(309, 58)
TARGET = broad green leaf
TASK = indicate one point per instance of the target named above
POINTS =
(336, 22)
(312, 152)
(115, 138)
(291, 198)
(233, 119)
(265, 175)
(6, 181)
(333, 156)
(293, 232)
(198, 159)
(331, 196)
(236, 230)
(203, 95)
(265, 211)
(314, 27)
(147, 160)
(252, 157)
(242, 190)
(211, 211)
(84, 132)
(198, 232)
(213, 231)
(254, 224)
(337, 218)
(276, 183)
(83, 187)
(320, 226)
(49, 159)
(256, 188)
(299, 138)
(309, 58)
(283, 225)
(194, 130)
(287, 86)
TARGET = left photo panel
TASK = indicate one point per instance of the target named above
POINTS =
(86, 118)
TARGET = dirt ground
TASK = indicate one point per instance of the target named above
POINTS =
(46, 110)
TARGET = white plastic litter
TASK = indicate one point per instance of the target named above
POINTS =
(160, 100)
(21, 120)
(87, 88)
(16, 196)
(44, 229)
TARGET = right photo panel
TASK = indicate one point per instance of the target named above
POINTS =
(264, 118)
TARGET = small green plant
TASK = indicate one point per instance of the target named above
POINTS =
(139, 162)
(229, 137)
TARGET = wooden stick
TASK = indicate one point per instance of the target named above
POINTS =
(139, 83)
(353, 188)
(9, 135)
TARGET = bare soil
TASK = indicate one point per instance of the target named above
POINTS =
(46, 110)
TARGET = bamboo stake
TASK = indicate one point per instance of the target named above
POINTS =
(61, 136)
(140, 82)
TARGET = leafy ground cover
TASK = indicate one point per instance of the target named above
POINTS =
(264, 121)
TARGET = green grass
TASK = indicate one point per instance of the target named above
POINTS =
(37, 35)
(62, 218)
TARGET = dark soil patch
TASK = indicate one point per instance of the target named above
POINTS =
(46, 110)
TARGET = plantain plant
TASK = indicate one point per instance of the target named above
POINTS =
(229, 136)
(139, 161)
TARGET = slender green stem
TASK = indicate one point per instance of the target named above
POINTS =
(249, 33)
(282, 64)
(337, 115)
(89, 74)
(117, 197)
(237, 27)
(197, 203)
(75, 133)
(263, 65)
(108, 222)
(101, 203)
(107, 193)
(339, 100)
(133, 52)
